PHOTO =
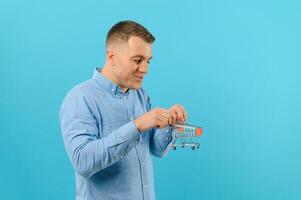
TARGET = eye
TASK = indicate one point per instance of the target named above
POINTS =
(138, 61)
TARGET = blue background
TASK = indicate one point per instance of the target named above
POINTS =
(234, 65)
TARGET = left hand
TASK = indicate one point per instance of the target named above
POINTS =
(178, 113)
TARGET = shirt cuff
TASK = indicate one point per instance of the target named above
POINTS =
(126, 133)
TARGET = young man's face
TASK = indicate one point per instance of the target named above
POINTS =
(130, 62)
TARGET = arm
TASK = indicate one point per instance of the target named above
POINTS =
(157, 123)
(87, 152)
(161, 141)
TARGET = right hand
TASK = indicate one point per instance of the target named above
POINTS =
(158, 117)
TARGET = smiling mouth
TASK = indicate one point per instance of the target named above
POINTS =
(139, 78)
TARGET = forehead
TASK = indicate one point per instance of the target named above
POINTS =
(137, 46)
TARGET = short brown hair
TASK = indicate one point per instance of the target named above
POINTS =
(123, 30)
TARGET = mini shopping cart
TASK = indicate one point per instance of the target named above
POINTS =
(184, 134)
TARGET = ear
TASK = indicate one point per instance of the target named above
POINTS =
(110, 57)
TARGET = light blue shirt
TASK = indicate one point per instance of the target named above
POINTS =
(111, 158)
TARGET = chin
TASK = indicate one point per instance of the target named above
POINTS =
(136, 86)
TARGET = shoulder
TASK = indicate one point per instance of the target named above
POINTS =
(80, 92)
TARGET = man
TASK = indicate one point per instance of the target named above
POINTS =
(108, 126)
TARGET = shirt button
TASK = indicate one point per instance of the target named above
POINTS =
(143, 163)
(131, 118)
(145, 186)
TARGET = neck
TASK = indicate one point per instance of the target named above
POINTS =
(108, 73)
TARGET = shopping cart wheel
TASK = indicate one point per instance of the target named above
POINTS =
(198, 146)
(174, 147)
(193, 147)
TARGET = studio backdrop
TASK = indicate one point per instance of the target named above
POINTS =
(234, 65)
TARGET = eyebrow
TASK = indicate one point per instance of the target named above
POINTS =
(141, 56)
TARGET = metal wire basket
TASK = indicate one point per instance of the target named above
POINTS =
(186, 133)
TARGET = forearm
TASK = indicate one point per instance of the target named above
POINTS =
(91, 156)
(161, 141)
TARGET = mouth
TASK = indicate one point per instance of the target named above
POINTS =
(138, 78)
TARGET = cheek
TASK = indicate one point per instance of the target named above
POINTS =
(126, 70)
(129, 69)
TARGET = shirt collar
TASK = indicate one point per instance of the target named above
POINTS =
(105, 83)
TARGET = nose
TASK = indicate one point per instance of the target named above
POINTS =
(143, 67)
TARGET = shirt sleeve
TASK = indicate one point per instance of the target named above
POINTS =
(87, 151)
(162, 141)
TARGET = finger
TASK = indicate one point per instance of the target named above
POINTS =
(174, 117)
(170, 121)
(182, 115)
(179, 113)
(185, 115)
(162, 121)
(161, 124)
(163, 118)
(166, 114)
(171, 117)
